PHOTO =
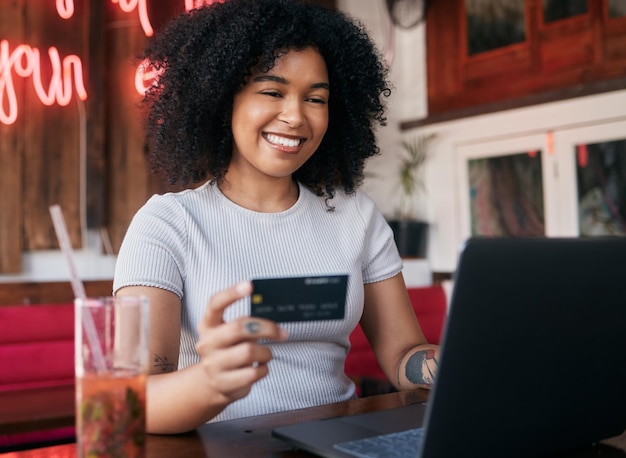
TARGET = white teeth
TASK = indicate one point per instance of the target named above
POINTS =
(282, 140)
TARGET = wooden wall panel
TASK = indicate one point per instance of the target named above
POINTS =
(443, 63)
(11, 150)
(26, 293)
(129, 181)
(126, 174)
(93, 51)
(52, 133)
(614, 46)
(570, 53)
(43, 152)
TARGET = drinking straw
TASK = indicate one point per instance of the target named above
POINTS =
(77, 285)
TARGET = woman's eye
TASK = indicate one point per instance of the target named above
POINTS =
(271, 93)
(316, 100)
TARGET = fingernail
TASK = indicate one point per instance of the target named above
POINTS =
(283, 334)
(245, 287)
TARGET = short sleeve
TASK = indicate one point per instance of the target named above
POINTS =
(381, 259)
(153, 251)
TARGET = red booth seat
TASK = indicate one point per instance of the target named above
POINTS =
(36, 346)
(430, 307)
(36, 350)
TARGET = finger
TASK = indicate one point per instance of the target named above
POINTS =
(236, 384)
(214, 314)
(237, 357)
(239, 330)
(233, 371)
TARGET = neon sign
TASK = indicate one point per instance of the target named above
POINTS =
(26, 61)
(146, 74)
(128, 6)
(65, 8)
(67, 73)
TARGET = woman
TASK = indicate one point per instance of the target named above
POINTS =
(272, 105)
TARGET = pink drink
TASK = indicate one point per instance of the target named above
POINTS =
(110, 414)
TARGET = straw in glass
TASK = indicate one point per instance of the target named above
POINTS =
(77, 286)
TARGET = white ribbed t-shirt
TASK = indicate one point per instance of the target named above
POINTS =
(197, 242)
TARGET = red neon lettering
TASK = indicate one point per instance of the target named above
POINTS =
(26, 61)
(191, 4)
(65, 8)
(128, 6)
(145, 77)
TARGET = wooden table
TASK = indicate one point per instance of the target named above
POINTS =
(246, 437)
(251, 437)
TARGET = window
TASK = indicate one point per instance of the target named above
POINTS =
(555, 10)
(601, 183)
(506, 195)
(493, 24)
(617, 8)
(570, 182)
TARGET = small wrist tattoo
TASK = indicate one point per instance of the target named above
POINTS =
(163, 363)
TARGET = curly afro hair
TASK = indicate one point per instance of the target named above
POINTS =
(203, 58)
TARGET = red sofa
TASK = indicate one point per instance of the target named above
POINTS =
(36, 350)
(430, 306)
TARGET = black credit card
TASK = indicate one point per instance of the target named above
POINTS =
(299, 298)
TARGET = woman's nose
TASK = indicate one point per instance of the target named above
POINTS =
(292, 113)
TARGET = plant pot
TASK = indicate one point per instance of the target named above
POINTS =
(411, 237)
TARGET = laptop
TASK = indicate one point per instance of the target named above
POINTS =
(533, 358)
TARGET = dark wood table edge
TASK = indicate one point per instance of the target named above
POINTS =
(251, 436)
(35, 409)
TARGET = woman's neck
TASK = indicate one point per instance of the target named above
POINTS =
(270, 196)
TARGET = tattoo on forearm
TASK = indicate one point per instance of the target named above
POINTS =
(163, 363)
(421, 367)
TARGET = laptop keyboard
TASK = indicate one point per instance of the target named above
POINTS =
(403, 444)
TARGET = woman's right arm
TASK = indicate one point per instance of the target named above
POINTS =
(231, 359)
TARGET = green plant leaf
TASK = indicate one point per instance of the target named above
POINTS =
(410, 172)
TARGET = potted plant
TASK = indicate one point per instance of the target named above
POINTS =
(410, 231)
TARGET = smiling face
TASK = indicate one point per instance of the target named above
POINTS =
(280, 116)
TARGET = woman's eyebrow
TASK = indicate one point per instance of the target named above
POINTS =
(281, 80)
(276, 79)
(321, 86)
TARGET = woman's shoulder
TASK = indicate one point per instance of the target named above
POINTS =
(171, 206)
(341, 195)
(183, 197)
(358, 199)
(353, 206)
